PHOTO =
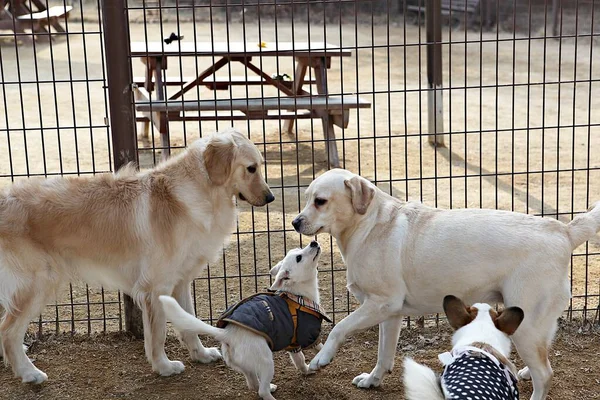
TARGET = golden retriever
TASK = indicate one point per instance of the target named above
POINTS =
(145, 233)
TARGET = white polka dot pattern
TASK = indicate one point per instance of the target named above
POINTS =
(476, 377)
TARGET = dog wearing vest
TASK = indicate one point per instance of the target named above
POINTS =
(478, 368)
(286, 318)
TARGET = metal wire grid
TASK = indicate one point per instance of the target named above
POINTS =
(54, 123)
(318, 16)
(370, 147)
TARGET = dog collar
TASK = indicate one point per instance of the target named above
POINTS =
(448, 358)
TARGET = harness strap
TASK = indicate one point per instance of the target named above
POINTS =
(294, 308)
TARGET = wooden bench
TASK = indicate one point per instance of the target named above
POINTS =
(486, 9)
(334, 107)
(218, 82)
(51, 16)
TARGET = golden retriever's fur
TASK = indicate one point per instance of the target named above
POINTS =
(145, 233)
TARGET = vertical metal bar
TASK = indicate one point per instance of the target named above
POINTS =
(433, 17)
(122, 116)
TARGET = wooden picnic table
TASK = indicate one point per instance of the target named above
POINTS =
(294, 102)
(17, 15)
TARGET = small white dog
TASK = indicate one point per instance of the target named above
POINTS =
(403, 258)
(249, 331)
(478, 366)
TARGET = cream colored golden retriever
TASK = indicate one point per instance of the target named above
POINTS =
(146, 233)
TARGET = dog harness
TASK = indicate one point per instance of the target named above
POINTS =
(287, 321)
(473, 373)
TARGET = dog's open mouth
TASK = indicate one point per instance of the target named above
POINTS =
(317, 255)
(241, 196)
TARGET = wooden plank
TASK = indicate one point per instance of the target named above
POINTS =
(52, 12)
(237, 49)
(330, 103)
(217, 82)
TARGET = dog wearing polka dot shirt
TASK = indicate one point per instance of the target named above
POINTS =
(478, 367)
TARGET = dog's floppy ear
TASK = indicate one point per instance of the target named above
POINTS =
(361, 192)
(279, 280)
(509, 320)
(218, 157)
(457, 312)
(275, 269)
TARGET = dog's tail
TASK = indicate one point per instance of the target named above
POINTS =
(185, 322)
(420, 382)
(584, 226)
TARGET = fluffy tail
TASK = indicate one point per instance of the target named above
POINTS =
(584, 226)
(420, 382)
(184, 321)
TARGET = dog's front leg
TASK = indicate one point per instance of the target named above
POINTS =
(389, 332)
(370, 313)
(300, 362)
(155, 333)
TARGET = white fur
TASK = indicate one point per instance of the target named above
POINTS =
(420, 382)
(244, 350)
(403, 258)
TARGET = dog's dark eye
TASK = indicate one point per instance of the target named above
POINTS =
(298, 259)
(319, 202)
(251, 169)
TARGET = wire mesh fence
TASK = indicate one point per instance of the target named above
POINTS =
(513, 113)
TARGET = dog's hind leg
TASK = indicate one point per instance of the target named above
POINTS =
(155, 333)
(198, 352)
(534, 337)
(266, 370)
(27, 304)
(389, 332)
(533, 349)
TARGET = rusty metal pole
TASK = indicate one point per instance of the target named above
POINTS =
(555, 13)
(435, 103)
(122, 115)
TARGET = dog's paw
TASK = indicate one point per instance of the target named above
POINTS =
(322, 359)
(365, 381)
(206, 355)
(35, 376)
(171, 368)
(273, 387)
(524, 374)
(307, 371)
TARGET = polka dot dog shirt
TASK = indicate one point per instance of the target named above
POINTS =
(474, 374)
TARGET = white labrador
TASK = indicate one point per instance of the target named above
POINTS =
(403, 258)
(146, 233)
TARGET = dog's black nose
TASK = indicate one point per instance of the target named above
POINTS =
(314, 243)
(270, 198)
(296, 223)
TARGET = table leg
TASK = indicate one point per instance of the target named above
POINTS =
(320, 67)
(149, 64)
(299, 74)
(160, 95)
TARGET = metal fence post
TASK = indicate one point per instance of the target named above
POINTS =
(122, 115)
(435, 104)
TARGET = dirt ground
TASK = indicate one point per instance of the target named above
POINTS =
(113, 366)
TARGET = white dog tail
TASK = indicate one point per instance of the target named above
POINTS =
(420, 382)
(584, 226)
(184, 321)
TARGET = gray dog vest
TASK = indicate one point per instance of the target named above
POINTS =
(287, 321)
